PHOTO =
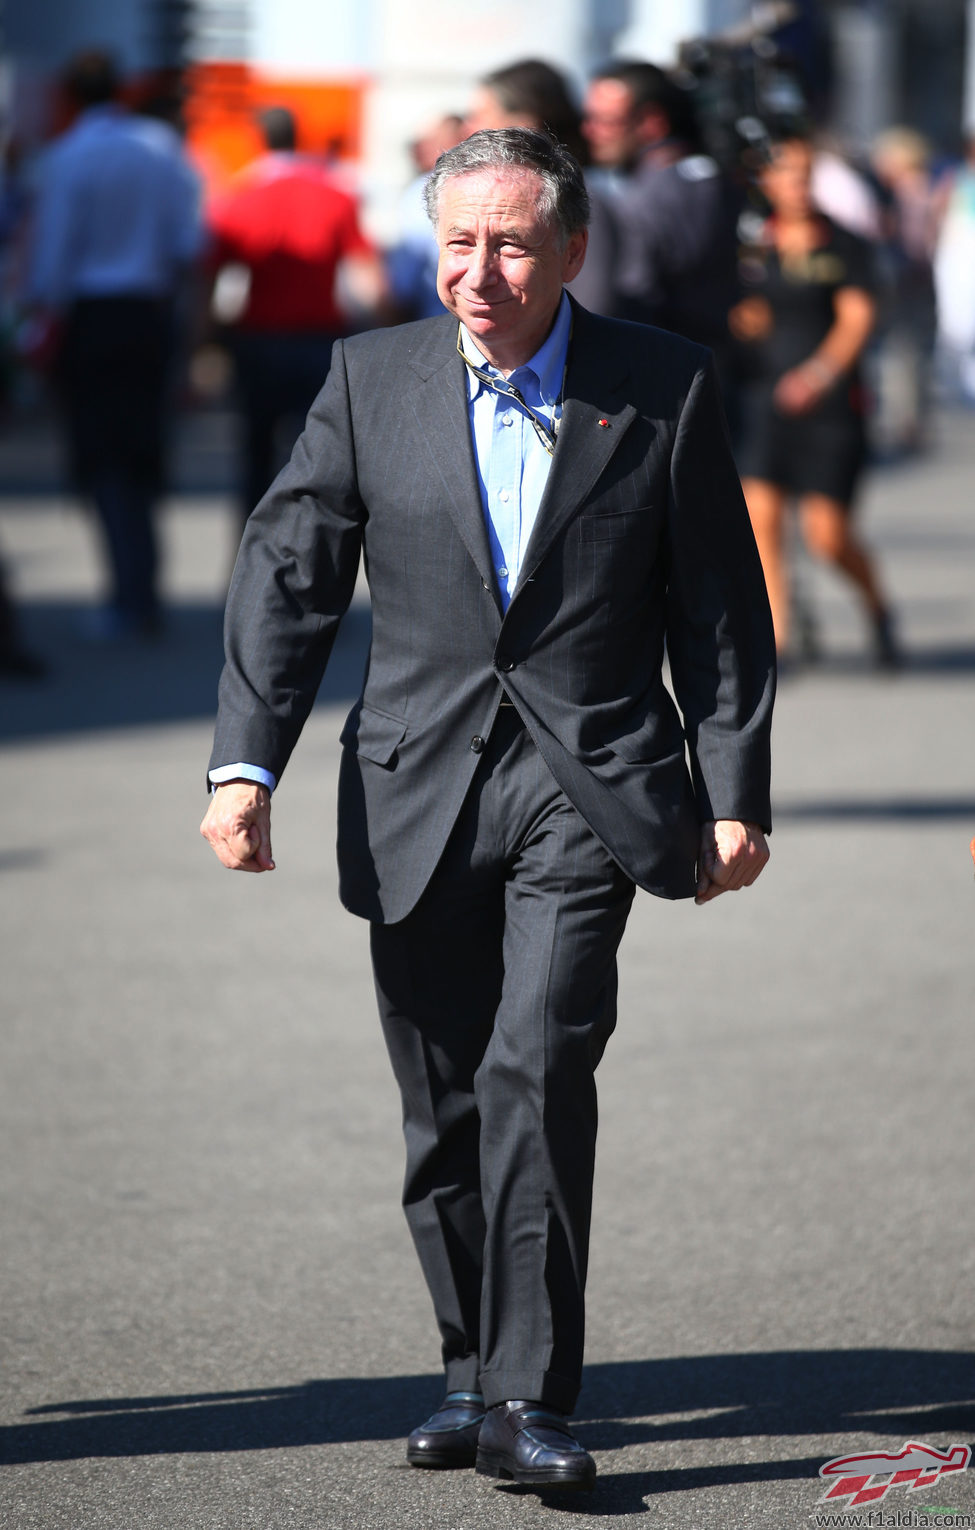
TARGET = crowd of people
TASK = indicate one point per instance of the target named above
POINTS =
(818, 287)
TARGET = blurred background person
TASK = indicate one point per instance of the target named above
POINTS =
(954, 278)
(911, 217)
(677, 210)
(530, 93)
(15, 659)
(302, 273)
(411, 263)
(625, 122)
(13, 208)
(116, 230)
(440, 136)
(802, 328)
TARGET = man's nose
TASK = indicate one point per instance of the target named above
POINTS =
(482, 270)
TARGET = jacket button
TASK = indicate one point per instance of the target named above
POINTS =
(505, 664)
(477, 743)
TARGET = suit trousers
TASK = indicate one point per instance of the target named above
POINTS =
(497, 996)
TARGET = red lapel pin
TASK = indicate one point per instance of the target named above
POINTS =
(603, 423)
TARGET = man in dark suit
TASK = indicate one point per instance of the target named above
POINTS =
(542, 498)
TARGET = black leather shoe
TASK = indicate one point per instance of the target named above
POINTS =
(528, 1443)
(449, 1436)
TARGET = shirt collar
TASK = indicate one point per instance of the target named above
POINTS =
(547, 364)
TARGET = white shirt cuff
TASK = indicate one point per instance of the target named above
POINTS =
(242, 772)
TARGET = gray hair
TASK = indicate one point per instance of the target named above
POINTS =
(564, 196)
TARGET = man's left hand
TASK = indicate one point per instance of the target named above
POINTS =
(732, 855)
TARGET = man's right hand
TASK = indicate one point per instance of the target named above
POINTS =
(238, 826)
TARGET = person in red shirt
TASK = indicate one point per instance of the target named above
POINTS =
(288, 231)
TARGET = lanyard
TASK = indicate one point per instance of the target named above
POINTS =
(546, 433)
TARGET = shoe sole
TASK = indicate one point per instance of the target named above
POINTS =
(439, 1462)
(490, 1464)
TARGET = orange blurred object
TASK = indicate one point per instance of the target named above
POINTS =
(221, 106)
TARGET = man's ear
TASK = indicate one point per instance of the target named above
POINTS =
(575, 254)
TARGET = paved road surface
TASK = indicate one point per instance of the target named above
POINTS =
(211, 1316)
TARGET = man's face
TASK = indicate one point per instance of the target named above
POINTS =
(610, 124)
(502, 265)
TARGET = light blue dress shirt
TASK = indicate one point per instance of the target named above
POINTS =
(512, 467)
(512, 464)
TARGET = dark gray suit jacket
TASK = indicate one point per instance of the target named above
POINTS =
(642, 538)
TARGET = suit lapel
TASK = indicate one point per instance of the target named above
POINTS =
(439, 401)
(596, 414)
(595, 417)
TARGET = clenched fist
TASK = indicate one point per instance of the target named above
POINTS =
(238, 826)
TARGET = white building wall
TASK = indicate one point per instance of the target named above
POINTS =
(656, 29)
(293, 38)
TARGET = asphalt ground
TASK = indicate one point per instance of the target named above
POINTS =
(210, 1312)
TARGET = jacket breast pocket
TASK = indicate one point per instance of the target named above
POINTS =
(376, 736)
(612, 525)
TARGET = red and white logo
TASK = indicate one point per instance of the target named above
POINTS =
(869, 1478)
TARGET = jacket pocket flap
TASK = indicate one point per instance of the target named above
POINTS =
(608, 525)
(378, 736)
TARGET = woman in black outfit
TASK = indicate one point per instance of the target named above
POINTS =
(802, 326)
